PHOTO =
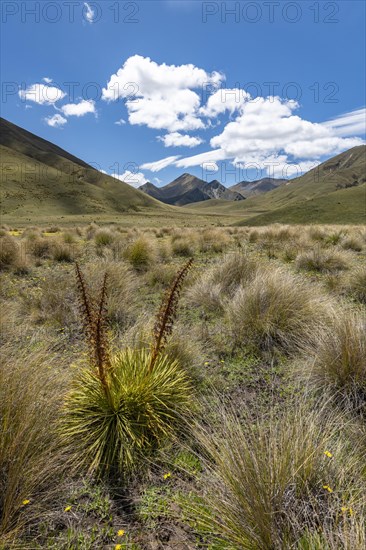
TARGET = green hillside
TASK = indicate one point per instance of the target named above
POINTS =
(39, 179)
(331, 193)
(346, 206)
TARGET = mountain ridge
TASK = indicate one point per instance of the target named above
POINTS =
(186, 189)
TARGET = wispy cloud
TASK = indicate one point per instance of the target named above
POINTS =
(348, 124)
(89, 13)
(158, 165)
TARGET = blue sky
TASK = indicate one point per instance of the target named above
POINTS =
(226, 90)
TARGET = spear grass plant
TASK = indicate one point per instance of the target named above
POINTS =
(124, 405)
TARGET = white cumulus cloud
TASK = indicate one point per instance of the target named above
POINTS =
(224, 99)
(268, 127)
(163, 97)
(82, 108)
(55, 121)
(42, 94)
(135, 179)
(176, 139)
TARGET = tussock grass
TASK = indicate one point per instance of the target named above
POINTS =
(323, 261)
(271, 485)
(211, 289)
(103, 237)
(39, 247)
(339, 359)
(64, 252)
(9, 252)
(356, 284)
(352, 243)
(122, 290)
(206, 294)
(184, 246)
(32, 462)
(214, 240)
(140, 253)
(236, 269)
(276, 310)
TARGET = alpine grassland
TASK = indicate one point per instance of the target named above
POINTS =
(175, 388)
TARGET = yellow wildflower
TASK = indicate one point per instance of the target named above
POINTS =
(351, 512)
(120, 533)
(327, 488)
(67, 509)
(207, 363)
(25, 502)
(328, 454)
(118, 547)
(165, 476)
(344, 509)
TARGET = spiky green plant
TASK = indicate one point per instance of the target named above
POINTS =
(124, 405)
(143, 407)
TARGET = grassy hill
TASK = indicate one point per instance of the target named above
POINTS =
(333, 192)
(39, 179)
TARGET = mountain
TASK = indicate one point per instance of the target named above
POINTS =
(252, 188)
(39, 178)
(188, 189)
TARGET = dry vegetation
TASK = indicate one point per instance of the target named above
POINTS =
(147, 402)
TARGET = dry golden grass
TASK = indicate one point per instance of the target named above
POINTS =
(295, 292)
(281, 483)
(33, 465)
(339, 358)
(276, 310)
